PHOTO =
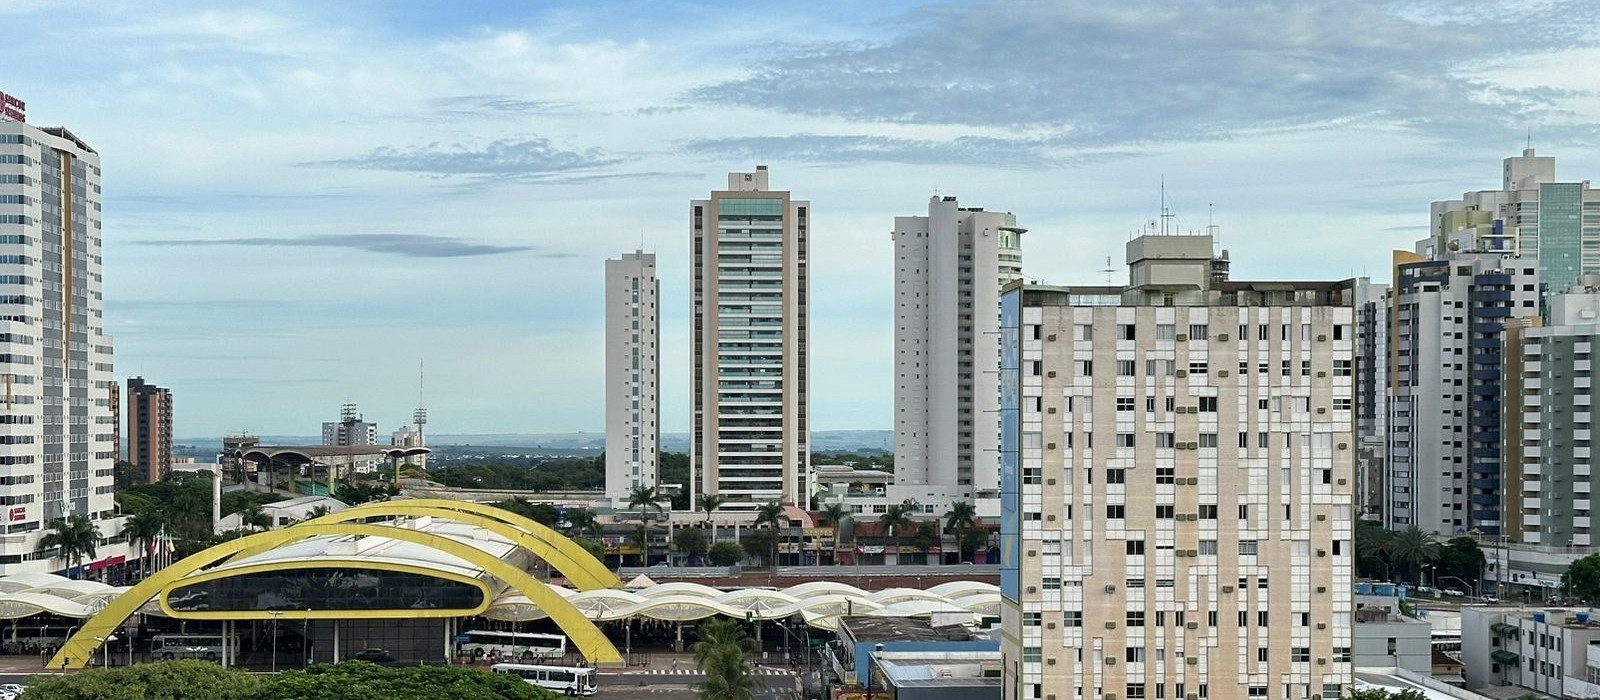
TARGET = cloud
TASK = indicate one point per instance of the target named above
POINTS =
(529, 158)
(827, 149)
(404, 244)
(1148, 71)
(495, 105)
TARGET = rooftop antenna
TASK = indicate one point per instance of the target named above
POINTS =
(1165, 213)
(1110, 272)
(419, 416)
(1530, 138)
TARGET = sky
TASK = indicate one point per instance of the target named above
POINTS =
(306, 200)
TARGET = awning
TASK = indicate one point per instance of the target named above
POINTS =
(1505, 657)
(108, 561)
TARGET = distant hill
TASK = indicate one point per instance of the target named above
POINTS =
(821, 441)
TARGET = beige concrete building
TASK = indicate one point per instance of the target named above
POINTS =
(633, 368)
(1177, 484)
(749, 264)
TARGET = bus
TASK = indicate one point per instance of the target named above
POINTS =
(193, 646)
(516, 645)
(562, 679)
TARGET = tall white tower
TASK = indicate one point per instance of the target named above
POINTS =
(633, 363)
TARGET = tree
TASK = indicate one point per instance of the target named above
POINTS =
(174, 680)
(1372, 549)
(73, 538)
(318, 512)
(581, 521)
(253, 518)
(692, 541)
(1412, 548)
(836, 513)
(595, 549)
(896, 519)
(725, 554)
(759, 544)
(142, 530)
(720, 655)
(1382, 694)
(709, 503)
(1460, 557)
(640, 537)
(772, 514)
(1581, 580)
(925, 537)
(961, 514)
(644, 498)
(971, 539)
(542, 513)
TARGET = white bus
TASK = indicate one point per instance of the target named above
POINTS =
(562, 679)
(514, 645)
(193, 646)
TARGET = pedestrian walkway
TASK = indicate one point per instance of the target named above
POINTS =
(760, 670)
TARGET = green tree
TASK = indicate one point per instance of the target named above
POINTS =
(318, 512)
(896, 519)
(169, 680)
(1413, 548)
(73, 538)
(1381, 694)
(925, 537)
(595, 549)
(141, 531)
(692, 541)
(645, 499)
(352, 680)
(961, 514)
(970, 540)
(1372, 549)
(835, 513)
(759, 544)
(720, 654)
(253, 518)
(772, 515)
(640, 537)
(725, 554)
(1581, 580)
(581, 521)
(542, 513)
(709, 503)
(1461, 558)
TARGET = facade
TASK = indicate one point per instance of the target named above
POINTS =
(1177, 506)
(149, 429)
(57, 433)
(1445, 379)
(1551, 365)
(410, 436)
(633, 373)
(1384, 638)
(949, 268)
(1544, 650)
(1372, 394)
(749, 266)
(1532, 216)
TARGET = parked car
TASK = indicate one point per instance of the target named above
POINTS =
(1454, 592)
(375, 655)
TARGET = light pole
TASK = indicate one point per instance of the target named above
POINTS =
(876, 649)
(275, 615)
(105, 650)
(1471, 590)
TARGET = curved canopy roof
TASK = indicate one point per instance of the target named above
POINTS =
(300, 454)
(22, 595)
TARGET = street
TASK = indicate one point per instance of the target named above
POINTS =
(660, 684)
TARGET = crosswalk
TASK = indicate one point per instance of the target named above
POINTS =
(763, 670)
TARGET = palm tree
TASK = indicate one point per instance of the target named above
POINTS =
(73, 538)
(896, 519)
(771, 514)
(254, 518)
(1372, 546)
(142, 530)
(925, 537)
(318, 512)
(581, 521)
(961, 514)
(1412, 548)
(641, 538)
(644, 498)
(709, 503)
(719, 637)
(836, 513)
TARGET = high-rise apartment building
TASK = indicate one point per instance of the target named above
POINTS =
(57, 432)
(1532, 216)
(1372, 394)
(633, 371)
(750, 260)
(350, 430)
(1177, 505)
(949, 268)
(1445, 384)
(1549, 480)
(149, 429)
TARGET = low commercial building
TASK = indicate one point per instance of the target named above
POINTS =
(860, 636)
(1543, 650)
(958, 675)
(1385, 638)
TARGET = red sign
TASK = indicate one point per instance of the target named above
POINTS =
(18, 513)
(13, 108)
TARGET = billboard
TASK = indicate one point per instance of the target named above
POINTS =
(12, 108)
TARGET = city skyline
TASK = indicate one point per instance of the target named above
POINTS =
(324, 210)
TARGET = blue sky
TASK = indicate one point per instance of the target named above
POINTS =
(306, 199)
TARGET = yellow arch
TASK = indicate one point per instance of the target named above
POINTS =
(585, 573)
(563, 544)
(585, 636)
(321, 563)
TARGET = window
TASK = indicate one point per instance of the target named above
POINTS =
(1125, 403)
(1135, 548)
(1135, 618)
(1072, 618)
(1341, 404)
(1247, 548)
(1050, 583)
(1134, 655)
(1032, 619)
(1136, 690)
(1032, 654)
(1124, 439)
(1208, 511)
(1261, 618)
(1301, 655)
(1211, 619)
(1118, 513)
(1125, 368)
(1302, 619)
(1339, 331)
(1164, 475)
(1198, 331)
(1208, 404)
(1341, 654)
(1208, 547)
(1125, 331)
(1166, 440)
(1197, 368)
(1083, 331)
(1166, 512)
(1341, 368)
(1208, 440)
(1085, 368)
(1261, 652)
(1305, 368)
(1116, 476)
(1165, 331)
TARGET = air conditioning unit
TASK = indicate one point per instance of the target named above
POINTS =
(1110, 661)
(1223, 337)
(1111, 625)
(1322, 338)
(1111, 588)
(1222, 373)
(1322, 589)
(1193, 661)
(1321, 517)
(1051, 337)
(1051, 374)
(1322, 661)
(1180, 553)
(1051, 481)
(1049, 445)
(1322, 625)
(1322, 552)
(1050, 410)
(1183, 338)
(1321, 410)
(1344, 446)
(1227, 589)
(1051, 517)
(1050, 661)
(1321, 374)
(1192, 625)
(1183, 373)
(1033, 552)
(1342, 481)
(1033, 589)
(1052, 625)
(1194, 481)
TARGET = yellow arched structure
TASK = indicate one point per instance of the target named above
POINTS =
(585, 573)
(583, 633)
(561, 543)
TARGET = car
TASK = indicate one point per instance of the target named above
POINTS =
(1454, 592)
(12, 688)
(375, 655)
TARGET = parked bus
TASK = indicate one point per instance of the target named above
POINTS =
(561, 679)
(193, 646)
(514, 645)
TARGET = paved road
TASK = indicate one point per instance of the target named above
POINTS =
(653, 684)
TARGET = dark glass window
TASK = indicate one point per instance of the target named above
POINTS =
(329, 588)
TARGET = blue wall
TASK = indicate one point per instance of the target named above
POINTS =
(863, 649)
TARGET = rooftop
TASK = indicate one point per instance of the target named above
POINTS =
(902, 629)
(1227, 293)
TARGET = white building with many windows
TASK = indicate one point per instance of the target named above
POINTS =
(57, 430)
(633, 369)
(1177, 496)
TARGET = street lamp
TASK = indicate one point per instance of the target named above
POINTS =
(105, 650)
(275, 615)
(876, 649)
(1471, 590)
